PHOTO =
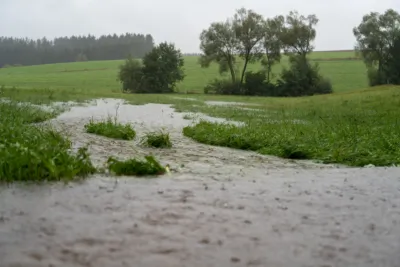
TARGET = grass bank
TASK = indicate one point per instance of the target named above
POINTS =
(355, 129)
(31, 152)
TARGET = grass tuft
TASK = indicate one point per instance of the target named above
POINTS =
(134, 167)
(157, 139)
(112, 129)
(36, 152)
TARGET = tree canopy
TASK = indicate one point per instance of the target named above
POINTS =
(159, 71)
(377, 36)
(250, 37)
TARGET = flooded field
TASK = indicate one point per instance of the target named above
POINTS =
(218, 207)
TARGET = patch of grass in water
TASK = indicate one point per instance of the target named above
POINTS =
(111, 128)
(36, 153)
(158, 139)
(135, 167)
(352, 129)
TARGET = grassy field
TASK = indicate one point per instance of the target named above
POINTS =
(100, 76)
(355, 126)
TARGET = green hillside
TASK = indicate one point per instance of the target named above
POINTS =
(100, 76)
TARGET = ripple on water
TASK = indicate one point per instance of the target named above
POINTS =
(220, 207)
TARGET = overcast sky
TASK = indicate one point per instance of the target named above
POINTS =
(177, 21)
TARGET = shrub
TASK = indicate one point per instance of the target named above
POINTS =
(222, 87)
(131, 76)
(111, 128)
(36, 153)
(255, 83)
(135, 167)
(157, 139)
(302, 79)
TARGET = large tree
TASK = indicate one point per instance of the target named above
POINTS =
(218, 44)
(298, 33)
(159, 71)
(272, 43)
(249, 30)
(163, 68)
(376, 37)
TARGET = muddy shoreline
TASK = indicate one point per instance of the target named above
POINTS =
(219, 207)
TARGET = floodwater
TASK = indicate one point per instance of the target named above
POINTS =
(219, 207)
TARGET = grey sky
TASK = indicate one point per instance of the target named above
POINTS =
(178, 21)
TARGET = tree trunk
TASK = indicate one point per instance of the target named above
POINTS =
(231, 68)
(244, 69)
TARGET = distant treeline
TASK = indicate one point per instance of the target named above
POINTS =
(19, 51)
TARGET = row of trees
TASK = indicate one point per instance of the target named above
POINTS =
(17, 51)
(252, 38)
(378, 42)
(249, 38)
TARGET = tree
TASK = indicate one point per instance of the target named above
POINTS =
(163, 68)
(302, 78)
(249, 31)
(218, 43)
(131, 76)
(272, 43)
(298, 33)
(393, 63)
(376, 37)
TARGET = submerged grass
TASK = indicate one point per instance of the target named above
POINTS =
(353, 129)
(36, 152)
(159, 139)
(111, 128)
(135, 167)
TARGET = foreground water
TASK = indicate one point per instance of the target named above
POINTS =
(219, 207)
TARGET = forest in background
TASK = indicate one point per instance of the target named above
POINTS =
(24, 51)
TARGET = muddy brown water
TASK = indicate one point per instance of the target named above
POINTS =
(219, 207)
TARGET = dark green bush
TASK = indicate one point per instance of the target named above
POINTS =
(256, 84)
(302, 79)
(222, 87)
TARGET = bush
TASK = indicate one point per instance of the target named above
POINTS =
(134, 167)
(162, 68)
(131, 76)
(36, 153)
(157, 139)
(257, 84)
(111, 128)
(222, 87)
(302, 79)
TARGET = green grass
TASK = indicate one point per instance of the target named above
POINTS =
(355, 129)
(99, 77)
(353, 126)
(111, 128)
(135, 167)
(158, 139)
(36, 153)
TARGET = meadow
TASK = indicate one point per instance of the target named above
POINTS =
(97, 77)
(355, 125)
